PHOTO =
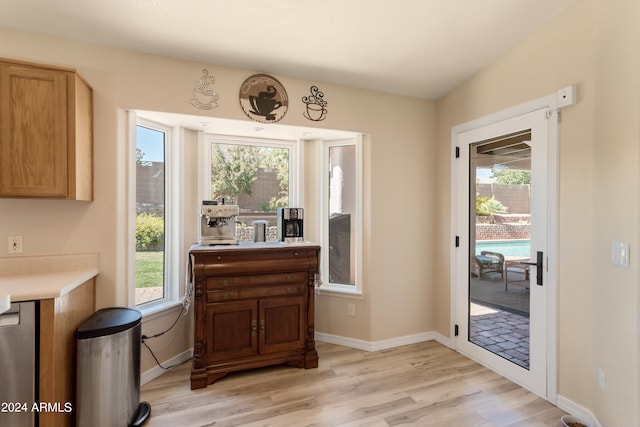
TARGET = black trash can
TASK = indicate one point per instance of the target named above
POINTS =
(108, 373)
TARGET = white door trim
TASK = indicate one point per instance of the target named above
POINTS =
(548, 102)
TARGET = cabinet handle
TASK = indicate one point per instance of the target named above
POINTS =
(226, 295)
(289, 290)
(225, 282)
(254, 327)
(262, 326)
(288, 277)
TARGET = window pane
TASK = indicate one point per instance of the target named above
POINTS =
(342, 214)
(256, 178)
(150, 214)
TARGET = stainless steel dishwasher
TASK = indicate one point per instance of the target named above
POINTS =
(18, 365)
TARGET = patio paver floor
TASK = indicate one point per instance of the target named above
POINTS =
(503, 333)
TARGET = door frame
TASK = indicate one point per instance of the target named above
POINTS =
(459, 263)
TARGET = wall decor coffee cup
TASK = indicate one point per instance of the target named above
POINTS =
(203, 95)
(263, 98)
(316, 106)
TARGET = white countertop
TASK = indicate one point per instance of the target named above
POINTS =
(43, 277)
(5, 302)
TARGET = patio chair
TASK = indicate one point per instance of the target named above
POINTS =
(487, 262)
(521, 272)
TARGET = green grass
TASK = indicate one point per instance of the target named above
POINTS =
(149, 269)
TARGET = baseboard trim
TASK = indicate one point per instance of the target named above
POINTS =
(576, 410)
(157, 371)
(383, 344)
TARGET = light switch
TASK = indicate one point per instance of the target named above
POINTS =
(620, 254)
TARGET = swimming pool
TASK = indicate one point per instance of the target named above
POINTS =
(519, 248)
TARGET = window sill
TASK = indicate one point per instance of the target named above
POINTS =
(346, 291)
(153, 310)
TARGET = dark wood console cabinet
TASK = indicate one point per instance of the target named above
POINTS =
(254, 307)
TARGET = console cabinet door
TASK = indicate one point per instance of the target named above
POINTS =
(231, 330)
(33, 131)
(282, 322)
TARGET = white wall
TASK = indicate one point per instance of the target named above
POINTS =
(594, 46)
(397, 167)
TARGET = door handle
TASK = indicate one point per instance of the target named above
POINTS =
(538, 264)
(9, 319)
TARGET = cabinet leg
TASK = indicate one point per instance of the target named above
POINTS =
(212, 378)
(197, 383)
(311, 360)
(203, 380)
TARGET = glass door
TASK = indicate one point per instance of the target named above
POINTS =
(503, 294)
(500, 245)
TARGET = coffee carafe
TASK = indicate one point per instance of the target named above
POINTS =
(290, 225)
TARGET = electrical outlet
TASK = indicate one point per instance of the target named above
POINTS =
(351, 310)
(15, 244)
(601, 379)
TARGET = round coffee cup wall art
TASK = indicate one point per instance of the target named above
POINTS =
(263, 98)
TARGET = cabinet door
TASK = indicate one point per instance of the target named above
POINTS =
(282, 323)
(33, 131)
(231, 330)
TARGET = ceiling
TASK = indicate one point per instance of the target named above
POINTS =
(418, 48)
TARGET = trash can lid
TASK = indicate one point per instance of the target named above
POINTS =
(108, 321)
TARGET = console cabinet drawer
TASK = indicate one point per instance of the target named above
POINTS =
(256, 280)
(244, 293)
(269, 261)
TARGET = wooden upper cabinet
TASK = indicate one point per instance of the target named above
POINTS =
(46, 133)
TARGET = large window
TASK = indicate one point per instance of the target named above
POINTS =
(151, 215)
(341, 213)
(257, 175)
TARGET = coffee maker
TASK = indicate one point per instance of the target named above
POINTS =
(218, 223)
(290, 225)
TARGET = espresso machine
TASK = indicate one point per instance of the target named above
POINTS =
(218, 223)
(291, 225)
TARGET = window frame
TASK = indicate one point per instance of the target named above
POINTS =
(323, 156)
(172, 183)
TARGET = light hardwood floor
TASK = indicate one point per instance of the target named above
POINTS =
(424, 384)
